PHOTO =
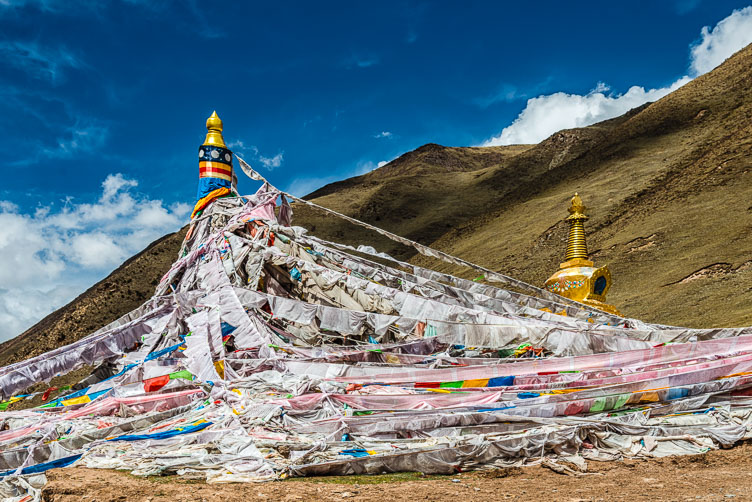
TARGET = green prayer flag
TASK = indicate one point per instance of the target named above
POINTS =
(598, 405)
(621, 401)
(184, 374)
(451, 385)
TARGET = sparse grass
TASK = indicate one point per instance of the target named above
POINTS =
(370, 479)
(357, 479)
(166, 479)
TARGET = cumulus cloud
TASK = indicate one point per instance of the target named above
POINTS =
(238, 145)
(719, 43)
(96, 250)
(384, 134)
(271, 162)
(54, 253)
(546, 114)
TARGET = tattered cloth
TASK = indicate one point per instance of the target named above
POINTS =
(267, 352)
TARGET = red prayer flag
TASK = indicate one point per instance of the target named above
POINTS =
(153, 384)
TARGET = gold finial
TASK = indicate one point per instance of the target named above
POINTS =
(577, 208)
(214, 134)
(576, 245)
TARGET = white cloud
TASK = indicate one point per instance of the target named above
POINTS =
(271, 162)
(7, 206)
(384, 134)
(96, 250)
(19, 308)
(115, 183)
(54, 253)
(236, 145)
(719, 43)
(81, 138)
(252, 151)
(547, 114)
(154, 214)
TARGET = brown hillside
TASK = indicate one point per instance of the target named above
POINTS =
(419, 197)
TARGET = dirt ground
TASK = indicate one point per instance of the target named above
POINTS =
(718, 475)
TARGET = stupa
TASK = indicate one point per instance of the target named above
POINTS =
(215, 166)
(578, 278)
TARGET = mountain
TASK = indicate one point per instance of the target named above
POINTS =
(669, 187)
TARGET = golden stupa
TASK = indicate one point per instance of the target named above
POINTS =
(578, 278)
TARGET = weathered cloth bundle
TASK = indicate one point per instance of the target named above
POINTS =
(268, 353)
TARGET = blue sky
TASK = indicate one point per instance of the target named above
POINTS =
(102, 104)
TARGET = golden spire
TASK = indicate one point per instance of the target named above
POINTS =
(576, 245)
(214, 136)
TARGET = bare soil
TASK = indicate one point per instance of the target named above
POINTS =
(718, 475)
